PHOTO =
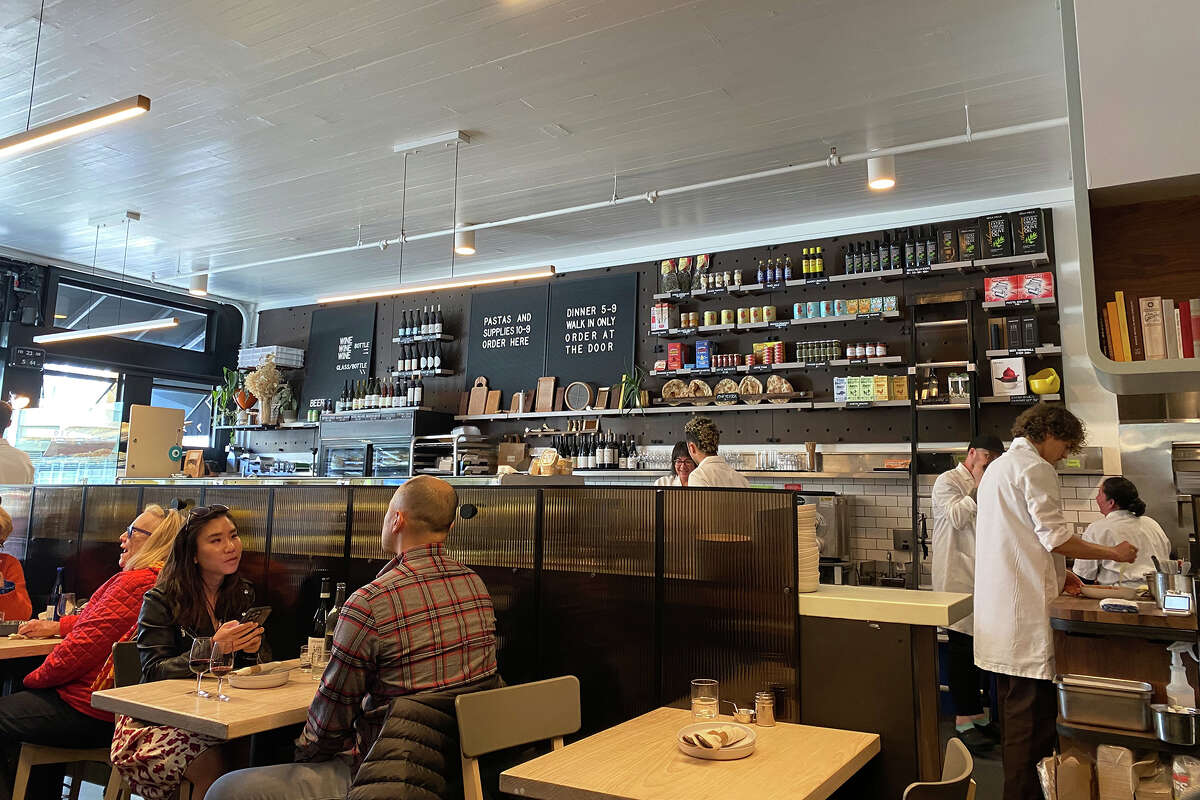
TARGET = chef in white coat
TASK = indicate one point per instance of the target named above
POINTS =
(1021, 544)
(1124, 521)
(953, 505)
(711, 470)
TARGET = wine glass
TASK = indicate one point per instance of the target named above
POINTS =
(220, 665)
(198, 661)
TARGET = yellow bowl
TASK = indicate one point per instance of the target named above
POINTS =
(1044, 382)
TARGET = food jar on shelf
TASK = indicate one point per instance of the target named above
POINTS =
(880, 349)
(755, 314)
(768, 313)
(743, 316)
(710, 318)
(727, 316)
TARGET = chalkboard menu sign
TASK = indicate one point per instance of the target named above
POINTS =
(508, 338)
(591, 331)
(340, 349)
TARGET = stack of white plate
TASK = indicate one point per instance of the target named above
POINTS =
(808, 551)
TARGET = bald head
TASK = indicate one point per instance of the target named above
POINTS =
(421, 511)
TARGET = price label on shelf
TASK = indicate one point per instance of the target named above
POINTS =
(859, 404)
(1023, 400)
(762, 368)
(858, 360)
(816, 364)
(1021, 351)
(780, 323)
(870, 315)
(924, 269)
(727, 397)
(1017, 303)
(681, 296)
(816, 281)
(774, 287)
(725, 371)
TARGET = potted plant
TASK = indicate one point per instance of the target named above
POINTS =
(633, 396)
(223, 397)
(283, 403)
(263, 383)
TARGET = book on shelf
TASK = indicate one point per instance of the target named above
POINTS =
(1149, 328)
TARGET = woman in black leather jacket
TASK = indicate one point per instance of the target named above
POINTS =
(199, 593)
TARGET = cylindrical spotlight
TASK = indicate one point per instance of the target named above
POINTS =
(881, 173)
(199, 285)
(464, 243)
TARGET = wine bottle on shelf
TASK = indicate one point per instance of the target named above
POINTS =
(426, 322)
(919, 248)
(875, 256)
(885, 255)
(420, 394)
(332, 617)
(818, 259)
(354, 404)
(787, 268)
(894, 256)
(847, 261)
(438, 323)
(316, 634)
(910, 250)
(931, 247)
(437, 356)
(392, 399)
(622, 455)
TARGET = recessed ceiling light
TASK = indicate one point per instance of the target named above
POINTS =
(881, 173)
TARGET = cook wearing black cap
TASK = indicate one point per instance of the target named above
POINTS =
(953, 505)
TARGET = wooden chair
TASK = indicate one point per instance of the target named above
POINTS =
(498, 719)
(33, 755)
(956, 782)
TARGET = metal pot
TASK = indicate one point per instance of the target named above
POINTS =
(1175, 724)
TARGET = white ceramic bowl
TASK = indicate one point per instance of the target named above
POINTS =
(1103, 592)
(270, 680)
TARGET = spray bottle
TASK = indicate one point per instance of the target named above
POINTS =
(1179, 691)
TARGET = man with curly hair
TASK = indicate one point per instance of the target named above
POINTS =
(1022, 542)
(711, 470)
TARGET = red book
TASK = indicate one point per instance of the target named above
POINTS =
(1184, 313)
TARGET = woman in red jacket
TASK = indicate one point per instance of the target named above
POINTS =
(57, 708)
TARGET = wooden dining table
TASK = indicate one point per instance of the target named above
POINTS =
(248, 710)
(639, 760)
(26, 648)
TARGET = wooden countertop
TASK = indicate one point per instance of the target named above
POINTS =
(248, 710)
(639, 760)
(882, 604)
(1081, 609)
(26, 648)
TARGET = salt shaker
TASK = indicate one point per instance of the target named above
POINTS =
(764, 709)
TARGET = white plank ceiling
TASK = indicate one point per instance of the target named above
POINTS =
(273, 121)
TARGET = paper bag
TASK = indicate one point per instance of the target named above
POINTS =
(515, 455)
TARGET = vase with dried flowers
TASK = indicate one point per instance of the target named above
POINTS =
(262, 383)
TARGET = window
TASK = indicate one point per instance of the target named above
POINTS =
(196, 402)
(78, 307)
(72, 436)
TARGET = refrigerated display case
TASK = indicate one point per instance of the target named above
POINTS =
(373, 444)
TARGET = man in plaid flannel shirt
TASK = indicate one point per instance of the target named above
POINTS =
(425, 623)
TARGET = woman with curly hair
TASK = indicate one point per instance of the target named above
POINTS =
(1022, 542)
(711, 470)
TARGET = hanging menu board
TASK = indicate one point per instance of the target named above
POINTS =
(508, 338)
(592, 326)
(340, 349)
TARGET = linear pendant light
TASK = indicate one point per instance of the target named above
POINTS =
(107, 330)
(437, 286)
(58, 130)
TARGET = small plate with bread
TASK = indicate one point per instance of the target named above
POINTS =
(716, 740)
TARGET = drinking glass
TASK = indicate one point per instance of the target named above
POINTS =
(305, 659)
(705, 699)
(320, 659)
(198, 661)
(220, 665)
(66, 605)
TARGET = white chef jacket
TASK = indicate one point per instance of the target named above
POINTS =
(15, 466)
(715, 472)
(954, 536)
(669, 480)
(1019, 522)
(1123, 526)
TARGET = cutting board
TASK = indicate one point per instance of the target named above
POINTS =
(479, 396)
(545, 395)
(492, 405)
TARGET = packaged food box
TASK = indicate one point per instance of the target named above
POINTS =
(948, 250)
(891, 302)
(660, 365)
(997, 240)
(852, 305)
(1029, 233)
(1008, 376)
(880, 387)
(899, 388)
(876, 304)
(968, 243)
(1036, 285)
(999, 288)
(862, 387)
(675, 355)
(839, 389)
(703, 354)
